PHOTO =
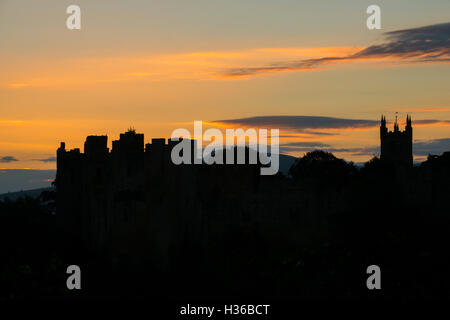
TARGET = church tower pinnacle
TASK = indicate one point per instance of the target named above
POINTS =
(396, 146)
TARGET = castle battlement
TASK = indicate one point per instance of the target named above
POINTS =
(128, 143)
(105, 196)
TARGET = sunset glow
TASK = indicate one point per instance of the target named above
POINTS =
(155, 74)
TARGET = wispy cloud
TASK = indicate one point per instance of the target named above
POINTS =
(424, 44)
(431, 122)
(298, 147)
(435, 146)
(429, 43)
(301, 134)
(50, 159)
(426, 109)
(8, 159)
(315, 124)
(421, 148)
(18, 85)
(11, 121)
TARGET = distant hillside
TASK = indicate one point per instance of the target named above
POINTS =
(12, 180)
(286, 162)
(34, 193)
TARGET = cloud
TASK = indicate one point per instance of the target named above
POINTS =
(430, 43)
(314, 125)
(421, 148)
(295, 147)
(18, 85)
(151, 67)
(7, 159)
(306, 144)
(423, 44)
(300, 123)
(432, 122)
(435, 146)
(50, 159)
(12, 121)
(302, 146)
(426, 109)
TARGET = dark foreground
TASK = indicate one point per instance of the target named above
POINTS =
(409, 242)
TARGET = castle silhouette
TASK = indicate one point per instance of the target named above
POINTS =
(140, 226)
(218, 230)
(133, 199)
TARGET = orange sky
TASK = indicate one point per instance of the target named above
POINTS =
(124, 68)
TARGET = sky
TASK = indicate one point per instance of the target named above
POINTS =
(309, 68)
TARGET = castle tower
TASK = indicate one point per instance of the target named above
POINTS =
(396, 146)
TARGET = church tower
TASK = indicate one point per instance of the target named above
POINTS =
(396, 146)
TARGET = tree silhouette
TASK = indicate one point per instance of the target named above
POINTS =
(322, 167)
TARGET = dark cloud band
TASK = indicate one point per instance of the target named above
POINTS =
(50, 159)
(424, 44)
(8, 159)
(300, 123)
